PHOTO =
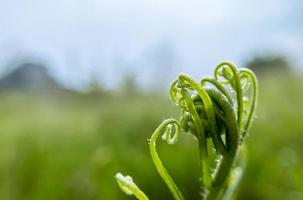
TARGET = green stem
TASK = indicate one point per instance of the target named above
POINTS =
(221, 176)
(231, 187)
(232, 143)
(202, 140)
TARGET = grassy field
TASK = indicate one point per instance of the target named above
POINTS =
(70, 146)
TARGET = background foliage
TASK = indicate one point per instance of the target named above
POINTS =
(69, 145)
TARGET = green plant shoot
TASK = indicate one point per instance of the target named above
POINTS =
(220, 109)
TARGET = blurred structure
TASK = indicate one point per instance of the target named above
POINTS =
(29, 75)
(265, 64)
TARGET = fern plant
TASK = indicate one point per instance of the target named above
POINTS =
(220, 109)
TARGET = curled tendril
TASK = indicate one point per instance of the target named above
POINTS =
(220, 109)
(252, 99)
(129, 187)
(167, 135)
(169, 127)
(231, 76)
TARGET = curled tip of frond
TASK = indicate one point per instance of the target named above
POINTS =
(171, 132)
(128, 186)
(125, 183)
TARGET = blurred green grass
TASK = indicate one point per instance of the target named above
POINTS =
(70, 146)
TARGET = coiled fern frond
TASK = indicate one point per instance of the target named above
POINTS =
(219, 108)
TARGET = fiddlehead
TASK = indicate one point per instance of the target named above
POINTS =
(220, 109)
(240, 81)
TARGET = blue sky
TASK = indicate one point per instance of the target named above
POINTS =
(152, 39)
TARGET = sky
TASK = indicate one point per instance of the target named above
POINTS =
(150, 40)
